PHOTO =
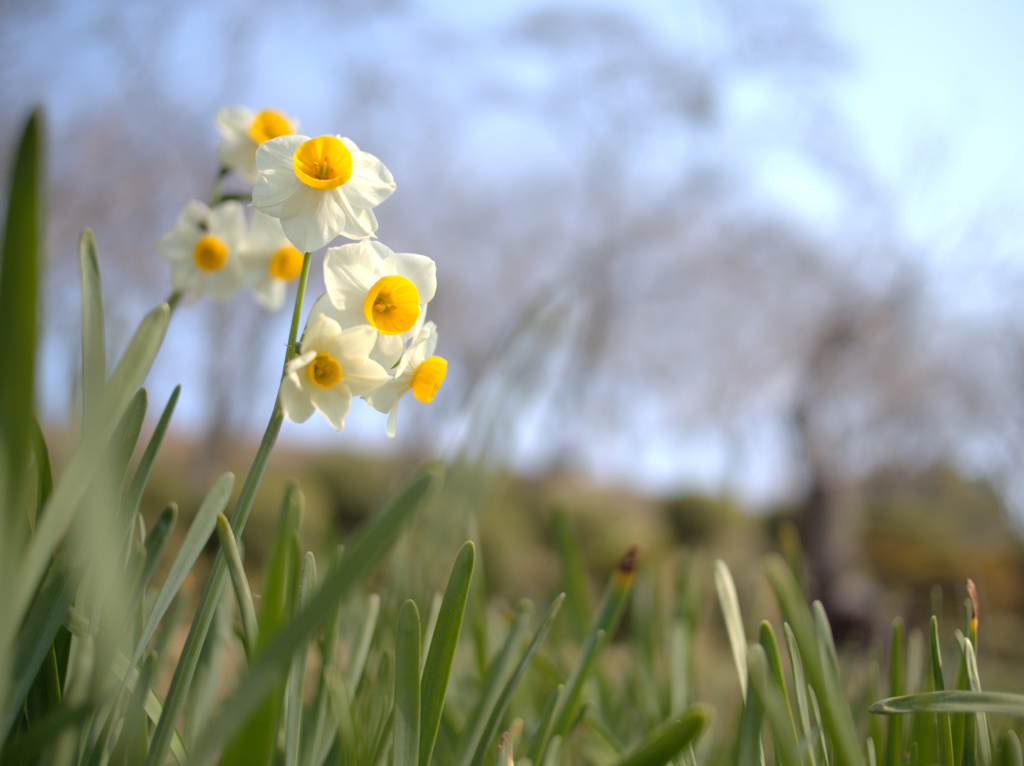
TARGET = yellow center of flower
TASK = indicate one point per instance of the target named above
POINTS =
(210, 253)
(286, 263)
(269, 124)
(428, 377)
(323, 163)
(324, 370)
(392, 305)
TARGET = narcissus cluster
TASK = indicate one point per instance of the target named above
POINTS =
(367, 336)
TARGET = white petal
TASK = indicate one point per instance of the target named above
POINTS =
(233, 119)
(386, 396)
(333, 403)
(346, 219)
(349, 273)
(270, 294)
(278, 154)
(272, 193)
(419, 269)
(238, 153)
(222, 283)
(388, 350)
(265, 233)
(227, 221)
(364, 376)
(322, 305)
(392, 424)
(310, 218)
(371, 181)
(322, 334)
(298, 362)
(295, 402)
(361, 223)
(356, 342)
(174, 246)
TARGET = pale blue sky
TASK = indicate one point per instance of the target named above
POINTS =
(930, 92)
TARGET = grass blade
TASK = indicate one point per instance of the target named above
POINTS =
(89, 455)
(94, 352)
(749, 746)
(799, 689)
(984, 743)
(953, 701)
(894, 733)
(665, 743)
(195, 540)
(407, 686)
(441, 653)
(367, 550)
(297, 674)
(501, 706)
(19, 291)
(834, 705)
(240, 583)
(573, 576)
(1009, 750)
(616, 593)
(766, 687)
(540, 736)
(44, 472)
(499, 668)
(49, 608)
(727, 599)
(357, 662)
(255, 742)
(133, 495)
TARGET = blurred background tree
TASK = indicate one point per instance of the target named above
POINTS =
(657, 250)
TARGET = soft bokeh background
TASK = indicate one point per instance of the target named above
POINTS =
(765, 251)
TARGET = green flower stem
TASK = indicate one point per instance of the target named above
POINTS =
(290, 352)
(218, 182)
(174, 300)
(183, 673)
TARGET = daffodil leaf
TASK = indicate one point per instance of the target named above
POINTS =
(94, 354)
(501, 706)
(195, 540)
(664, 743)
(441, 653)
(954, 701)
(365, 552)
(19, 280)
(407, 686)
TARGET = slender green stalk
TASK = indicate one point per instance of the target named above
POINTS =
(297, 311)
(186, 666)
(240, 584)
(893, 739)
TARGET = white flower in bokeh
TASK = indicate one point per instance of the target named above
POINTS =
(203, 249)
(369, 284)
(320, 188)
(418, 371)
(269, 260)
(332, 368)
(242, 131)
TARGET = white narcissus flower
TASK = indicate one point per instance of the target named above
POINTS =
(418, 371)
(203, 249)
(269, 260)
(320, 188)
(332, 368)
(369, 284)
(242, 131)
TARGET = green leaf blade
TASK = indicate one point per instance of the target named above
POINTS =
(441, 653)
(407, 686)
